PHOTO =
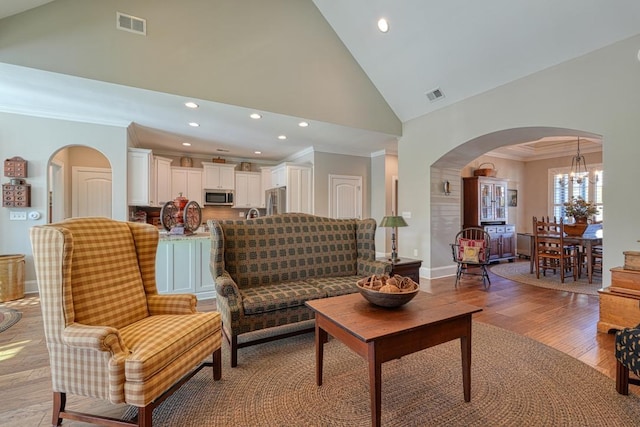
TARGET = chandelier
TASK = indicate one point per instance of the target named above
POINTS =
(579, 172)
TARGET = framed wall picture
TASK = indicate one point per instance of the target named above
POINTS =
(512, 198)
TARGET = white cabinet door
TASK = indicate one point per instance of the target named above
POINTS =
(139, 168)
(248, 190)
(299, 190)
(218, 176)
(187, 181)
(182, 266)
(279, 177)
(162, 171)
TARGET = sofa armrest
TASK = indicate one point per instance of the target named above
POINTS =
(370, 267)
(96, 338)
(172, 304)
(226, 287)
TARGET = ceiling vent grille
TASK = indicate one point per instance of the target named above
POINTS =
(435, 94)
(131, 23)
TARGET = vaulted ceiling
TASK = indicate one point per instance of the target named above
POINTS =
(460, 47)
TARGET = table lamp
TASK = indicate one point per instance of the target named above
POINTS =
(393, 222)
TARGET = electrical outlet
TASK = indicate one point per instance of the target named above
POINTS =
(241, 214)
(17, 216)
(415, 252)
(406, 214)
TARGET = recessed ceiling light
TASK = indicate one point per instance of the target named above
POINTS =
(191, 104)
(383, 25)
(257, 152)
(255, 116)
(282, 137)
(194, 124)
(186, 144)
(303, 124)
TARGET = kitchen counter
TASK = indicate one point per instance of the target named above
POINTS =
(165, 236)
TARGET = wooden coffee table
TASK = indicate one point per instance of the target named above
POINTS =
(381, 334)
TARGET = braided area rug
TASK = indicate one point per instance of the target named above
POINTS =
(515, 381)
(8, 318)
(520, 272)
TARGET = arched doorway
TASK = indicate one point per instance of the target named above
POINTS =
(446, 214)
(78, 176)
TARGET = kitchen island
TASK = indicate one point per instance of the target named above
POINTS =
(182, 265)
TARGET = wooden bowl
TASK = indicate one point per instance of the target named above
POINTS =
(388, 300)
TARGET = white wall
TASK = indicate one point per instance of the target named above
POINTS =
(36, 140)
(596, 94)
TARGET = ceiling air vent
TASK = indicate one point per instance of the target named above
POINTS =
(131, 23)
(435, 94)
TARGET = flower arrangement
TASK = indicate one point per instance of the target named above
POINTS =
(578, 207)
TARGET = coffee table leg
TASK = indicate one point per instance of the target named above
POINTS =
(465, 347)
(321, 338)
(375, 382)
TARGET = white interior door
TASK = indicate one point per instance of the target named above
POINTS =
(345, 196)
(91, 188)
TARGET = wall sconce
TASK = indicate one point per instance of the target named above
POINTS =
(446, 188)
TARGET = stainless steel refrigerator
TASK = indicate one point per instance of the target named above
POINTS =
(276, 200)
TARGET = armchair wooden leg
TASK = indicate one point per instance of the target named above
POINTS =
(217, 364)
(622, 378)
(59, 402)
(145, 416)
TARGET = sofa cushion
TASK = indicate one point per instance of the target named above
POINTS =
(279, 296)
(334, 286)
(157, 341)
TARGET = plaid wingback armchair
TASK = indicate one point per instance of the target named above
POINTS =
(109, 334)
(627, 358)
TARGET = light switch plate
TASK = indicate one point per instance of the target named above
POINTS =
(17, 216)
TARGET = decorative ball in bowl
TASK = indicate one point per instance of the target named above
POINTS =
(385, 291)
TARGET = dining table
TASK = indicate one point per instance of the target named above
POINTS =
(591, 237)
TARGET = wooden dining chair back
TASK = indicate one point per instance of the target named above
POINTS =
(471, 252)
(551, 251)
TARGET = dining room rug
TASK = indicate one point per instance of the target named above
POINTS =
(8, 318)
(514, 381)
(519, 272)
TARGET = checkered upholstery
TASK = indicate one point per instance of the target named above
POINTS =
(628, 348)
(266, 268)
(110, 335)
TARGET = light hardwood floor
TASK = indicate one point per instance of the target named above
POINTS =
(563, 320)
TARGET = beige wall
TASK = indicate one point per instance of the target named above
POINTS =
(595, 94)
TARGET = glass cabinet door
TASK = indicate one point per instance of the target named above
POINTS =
(486, 202)
(500, 199)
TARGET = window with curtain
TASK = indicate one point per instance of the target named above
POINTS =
(563, 189)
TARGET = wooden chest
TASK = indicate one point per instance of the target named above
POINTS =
(625, 281)
(618, 311)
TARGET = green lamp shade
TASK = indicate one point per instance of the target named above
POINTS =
(393, 221)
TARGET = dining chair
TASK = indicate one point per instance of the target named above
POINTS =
(551, 251)
(471, 252)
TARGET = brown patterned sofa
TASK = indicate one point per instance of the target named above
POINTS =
(266, 268)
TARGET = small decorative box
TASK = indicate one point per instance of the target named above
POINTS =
(15, 167)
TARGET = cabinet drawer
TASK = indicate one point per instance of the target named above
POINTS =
(501, 229)
(510, 228)
(491, 229)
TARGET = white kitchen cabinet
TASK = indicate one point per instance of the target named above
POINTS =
(266, 184)
(148, 178)
(139, 177)
(218, 176)
(298, 181)
(182, 266)
(248, 190)
(162, 174)
(279, 176)
(187, 181)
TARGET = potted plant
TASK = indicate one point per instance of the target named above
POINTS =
(579, 209)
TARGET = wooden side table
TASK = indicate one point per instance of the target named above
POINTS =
(406, 267)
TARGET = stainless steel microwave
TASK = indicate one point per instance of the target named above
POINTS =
(218, 198)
